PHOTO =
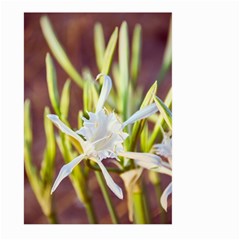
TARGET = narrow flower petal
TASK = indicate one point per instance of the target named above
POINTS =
(142, 113)
(64, 128)
(130, 178)
(106, 88)
(65, 171)
(165, 195)
(149, 161)
(111, 184)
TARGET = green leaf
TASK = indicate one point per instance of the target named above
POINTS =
(164, 110)
(157, 132)
(52, 84)
(99, 44)
(138, 126)
(90, 95)
(144, 138)
(65, 99)
(47, 167)
(136, 53)
(123, 53)
(167, 57)
(27, 122)
(58, 51)
(108, 55)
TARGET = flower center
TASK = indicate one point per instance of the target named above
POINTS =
(103, 132)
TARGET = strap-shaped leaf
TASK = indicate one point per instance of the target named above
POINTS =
(136, 53)
(167, 57)
(164, 110)
(58, 51)
(65, 99)
(47, 167)
(108, 55)
(159, 122)
(99, 44)
(138, 126)
(123, 53)
(52, 84)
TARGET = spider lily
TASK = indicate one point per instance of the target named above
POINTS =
(152, 162)
(101, 136)
(165, 149)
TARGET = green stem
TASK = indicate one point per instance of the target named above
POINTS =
(156, 181)
(139, 206)
(106, 196)
(90, 212)
(52, 218)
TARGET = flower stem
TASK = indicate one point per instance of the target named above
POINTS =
(139, 205)
(90, 212)
(52, 218)
(107, 198)
(156, 181)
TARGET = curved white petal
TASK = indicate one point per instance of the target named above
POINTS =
(142, 113)
(111, 184)
(65, 171)
(149, 161)
(106, 88)
(165, 195)
(64, 128)
(130, 178)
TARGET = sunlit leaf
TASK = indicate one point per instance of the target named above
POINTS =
(52, 84)
(123, 53)
(65, 99)
(165, 111)
(99, 44)
(58, 51)
(109, 52)
(136, 53)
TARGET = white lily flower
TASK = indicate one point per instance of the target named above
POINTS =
(151, 162)
(101, 136)
(165, 149)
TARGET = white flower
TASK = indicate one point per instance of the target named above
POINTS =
(101, 136)
(151, 162)
(165, 149)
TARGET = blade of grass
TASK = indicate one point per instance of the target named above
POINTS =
(58, 51)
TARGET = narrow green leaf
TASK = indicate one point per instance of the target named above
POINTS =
(108, 55)
(138, 126)
(65, 99)
(144, 138)
(27, 122)
(123, 53)
(52, 84)
(164, 110)
(47, 167)
(167, 57)
(90, 95)
(157, 133)
(99, 44)
(58, 51)
(80, 121)
(136, 53)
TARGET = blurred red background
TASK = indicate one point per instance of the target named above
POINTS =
(75, 32)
